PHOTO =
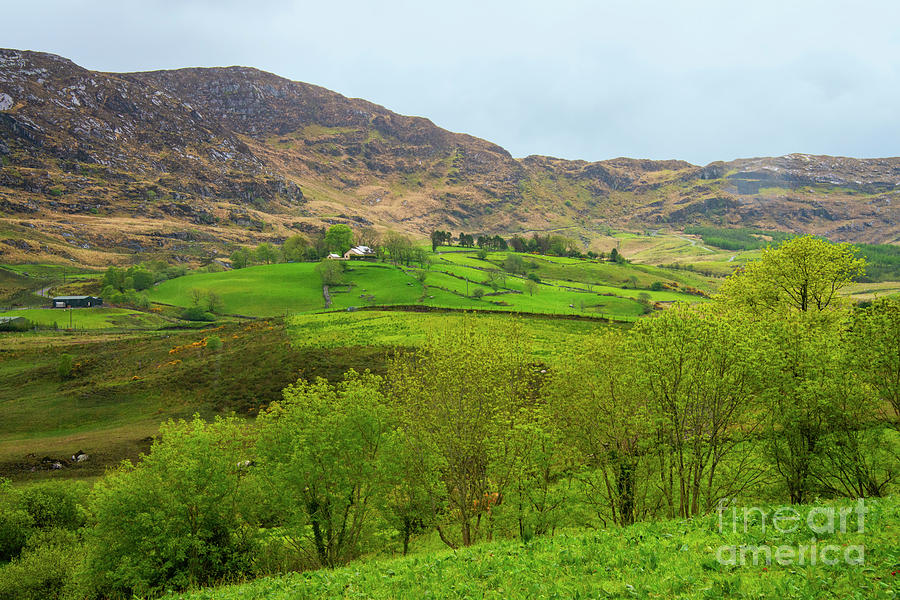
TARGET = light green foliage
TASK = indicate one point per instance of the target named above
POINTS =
(696, 370)
(241, 258)
(331, 271)
(534, 503)
(64, 366)
(458, 397)
(339, 238)
(214, 343)
(266, 253)
(822, 430)
(875, 351)
(46, 569)
(173, 519)
(801, 274)
(320, 448)
(603, 412)
(54, 505)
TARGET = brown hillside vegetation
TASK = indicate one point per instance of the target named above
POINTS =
(178, 163)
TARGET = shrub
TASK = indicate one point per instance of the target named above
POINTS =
(174, 519)
(534, 277)
(54, 505)
(214, 343)
(64, 366)
(15, 526)
(44, 570)
(477, 293)
(656, 286)
(196, 313)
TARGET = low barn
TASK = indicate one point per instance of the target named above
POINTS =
(77, 301)
(13, 323)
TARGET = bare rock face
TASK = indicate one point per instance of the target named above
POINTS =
(243, 154)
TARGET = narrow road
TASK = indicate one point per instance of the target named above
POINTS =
(327, 296)
(694, 243)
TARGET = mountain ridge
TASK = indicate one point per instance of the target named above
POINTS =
(122, 162)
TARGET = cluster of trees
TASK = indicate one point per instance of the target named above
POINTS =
(554, 244)
(124, 286)
(336, 239)
(776, 390)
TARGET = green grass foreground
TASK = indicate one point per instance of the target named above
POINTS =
(669, 559)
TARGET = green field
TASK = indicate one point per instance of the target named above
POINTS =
(89, 318)
(667, 559)
(390, 329)
(568, 287)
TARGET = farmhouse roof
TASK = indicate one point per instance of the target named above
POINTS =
(359, 251)
(71, 297)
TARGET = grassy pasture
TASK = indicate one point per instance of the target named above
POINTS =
(90, 318)
(401, 329)
(665, 559)
(264, 290)
(122, 386)
(296, 288)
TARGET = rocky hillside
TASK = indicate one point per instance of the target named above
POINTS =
(181, 163)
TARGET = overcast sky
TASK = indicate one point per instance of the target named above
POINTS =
(695, 80)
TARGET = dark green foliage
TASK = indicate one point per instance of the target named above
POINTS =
(15, 527)
(882, 262)
(197, 313)
(738, 238)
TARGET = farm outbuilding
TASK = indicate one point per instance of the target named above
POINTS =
(77, 301)
(13, 323)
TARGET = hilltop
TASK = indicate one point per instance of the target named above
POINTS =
(97, 166)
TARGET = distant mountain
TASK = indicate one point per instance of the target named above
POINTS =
(175, 161)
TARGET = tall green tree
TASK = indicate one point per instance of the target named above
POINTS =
(173, 520)
(697, 369)
(802, 274)
(241, 258)
(266, 253)
(598, 400)
(458, 397)
(339, 238)
(331, 271)
(874, 346)
(294, 248)
(320, 447)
